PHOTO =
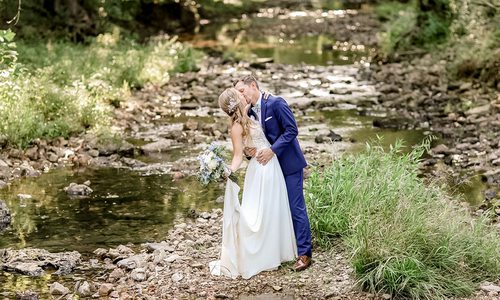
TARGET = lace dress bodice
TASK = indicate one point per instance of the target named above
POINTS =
(256, 137)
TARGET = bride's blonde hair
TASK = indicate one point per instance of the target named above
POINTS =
(230, 103)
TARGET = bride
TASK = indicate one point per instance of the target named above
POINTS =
(258, 234)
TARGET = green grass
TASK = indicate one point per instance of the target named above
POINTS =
(407, 238)
(61, 88)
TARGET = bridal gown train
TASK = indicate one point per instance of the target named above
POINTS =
(258, 234)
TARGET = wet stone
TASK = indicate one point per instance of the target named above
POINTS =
(27, 295)
(490, 194)
(5, 216)
(58, 289)
(75, 189)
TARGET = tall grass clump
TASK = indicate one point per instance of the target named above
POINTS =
(406, 237)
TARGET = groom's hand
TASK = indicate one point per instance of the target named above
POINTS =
(264, 156)
(250, 151)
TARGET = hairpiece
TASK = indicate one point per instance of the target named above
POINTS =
(233, 103)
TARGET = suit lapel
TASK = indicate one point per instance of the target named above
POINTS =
(263, 113)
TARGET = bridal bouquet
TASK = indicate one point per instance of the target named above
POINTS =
(212, 164)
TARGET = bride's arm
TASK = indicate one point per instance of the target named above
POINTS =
(237, 139)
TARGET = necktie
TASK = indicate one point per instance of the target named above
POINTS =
(256, 109)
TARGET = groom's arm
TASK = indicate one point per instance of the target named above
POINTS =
(285, 116)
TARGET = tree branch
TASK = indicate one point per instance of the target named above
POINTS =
(17, 16)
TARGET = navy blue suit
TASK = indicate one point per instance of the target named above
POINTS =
(281, 131)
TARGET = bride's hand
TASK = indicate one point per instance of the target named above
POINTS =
(227, 172)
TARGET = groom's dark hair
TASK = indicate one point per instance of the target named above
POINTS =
(248, 79)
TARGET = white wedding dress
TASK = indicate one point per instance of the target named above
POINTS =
(258, 234)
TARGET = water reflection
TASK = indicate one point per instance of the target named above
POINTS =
(362, 131)
(232, 40)
(124, 207)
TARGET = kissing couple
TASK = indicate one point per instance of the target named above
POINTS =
(271, 225)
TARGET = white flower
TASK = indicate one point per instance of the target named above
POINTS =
(212, 164)
(4, 73)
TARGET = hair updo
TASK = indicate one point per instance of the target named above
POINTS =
(230, 103)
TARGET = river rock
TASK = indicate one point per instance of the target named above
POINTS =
(465, 86)
(490, 194)
(480, 110)
(27, 295)
(172, 258)
(32, 261)
(105, 289)
(116, 275)
(24, 196)
(124, 250)
(191, 125)
(126, 149)
(5, 217)
(58, 289)
(135, 261)
(441, 149)
(83, 289)
(28, 269)
(52, 157)
(4, 170)
(16, 153)
(488, 287)
(32, 153)
(93, 152)
(133, 163)
(161, 145)
(100, 252)
(138, 274)
(75, 189)
(107, 148)
(177, 277)
(163, 246)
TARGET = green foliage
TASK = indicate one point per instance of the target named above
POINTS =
(398, 32)
(477, 57)
(406, 236)
(389, 10)
(8, 53)
(213, 9)
(62, 88)
(433, 29)
(407, 26)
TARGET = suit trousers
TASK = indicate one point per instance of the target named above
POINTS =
(295, 189)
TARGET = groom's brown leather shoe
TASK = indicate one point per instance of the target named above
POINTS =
(303, 262)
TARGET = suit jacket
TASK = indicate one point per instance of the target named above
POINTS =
(281, 131)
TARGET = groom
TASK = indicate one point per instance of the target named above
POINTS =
(281, 131)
